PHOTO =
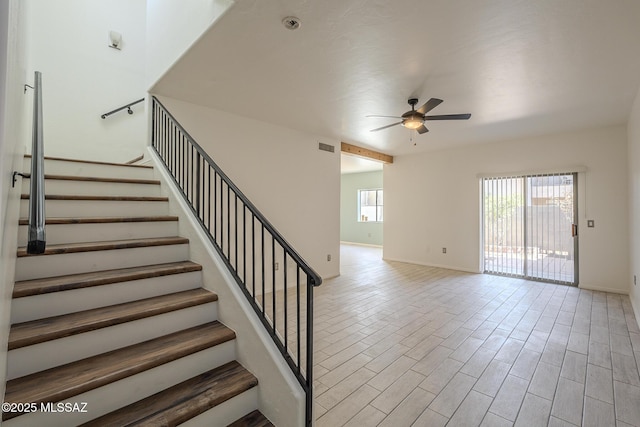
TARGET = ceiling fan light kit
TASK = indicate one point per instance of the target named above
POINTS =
(415, 119)
(412, 123)
(412, 119)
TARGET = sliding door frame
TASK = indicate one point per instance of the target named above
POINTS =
(526, 273)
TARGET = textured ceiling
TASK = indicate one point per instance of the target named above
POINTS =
(353, 164)
(521, 68)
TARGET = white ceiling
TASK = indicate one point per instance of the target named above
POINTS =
(521, 67)
(353, 164)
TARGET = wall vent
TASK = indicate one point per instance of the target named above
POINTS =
(326, 147)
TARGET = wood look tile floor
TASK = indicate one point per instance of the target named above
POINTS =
(404, 345)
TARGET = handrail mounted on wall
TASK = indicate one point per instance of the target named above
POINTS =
(127, 106)
(37, 236)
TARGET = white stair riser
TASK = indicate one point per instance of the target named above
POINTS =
(38, 357)
(227, 412)
(62, 167)
(94, 208)
(98, 232)
(128, 390)
(57, 303)
(95, 188)
(37, 267)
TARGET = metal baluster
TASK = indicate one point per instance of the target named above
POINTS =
(262, 242)
(309, 372)
(235, 225)
(284, 273)
(192, 173)
(244, 244)
(198, 183)
(222, 215)
(185, 161)
(154, 112)
(209, 199)
(202, 183)
(161, 146)
(253, 254)
(298, 355)
(273, 281)
(215, 206)
(228, 223)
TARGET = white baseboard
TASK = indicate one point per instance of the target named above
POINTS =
(446, 267)
(589, 287)
(368, 245)
(636, 312)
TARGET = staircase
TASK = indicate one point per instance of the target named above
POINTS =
(113, 319)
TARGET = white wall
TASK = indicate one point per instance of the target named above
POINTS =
(633, 131)
(352, 230)
(84, 78)
(12, 141)
(432, 201)
(280, 396)
(295, 185)
(173, 26)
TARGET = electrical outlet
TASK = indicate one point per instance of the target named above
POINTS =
(328, 257)
(276, 266)
(591, 223)
(444, 250)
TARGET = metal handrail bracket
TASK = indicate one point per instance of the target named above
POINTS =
(37, 237)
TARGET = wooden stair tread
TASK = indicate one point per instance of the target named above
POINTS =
(103, 198)
(97, 179)
(51, 328)
(252, 419)
(63, 382)
(104, 219)
(183, 401)
(92, 162)
(98, 278)
(67, 248)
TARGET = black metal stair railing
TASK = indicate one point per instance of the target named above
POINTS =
(274, 278)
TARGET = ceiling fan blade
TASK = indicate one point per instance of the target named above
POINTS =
(384, 127)
(429, 105)
(387, 117)
(422, 129)
(449, 117)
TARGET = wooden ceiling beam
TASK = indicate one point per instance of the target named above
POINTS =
(354, 150)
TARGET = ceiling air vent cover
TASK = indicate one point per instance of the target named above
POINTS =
(291, 23)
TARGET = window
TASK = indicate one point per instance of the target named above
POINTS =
(370, 205)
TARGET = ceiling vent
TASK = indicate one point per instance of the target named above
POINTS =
(291, 23)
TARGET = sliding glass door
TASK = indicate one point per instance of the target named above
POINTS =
(529, 227)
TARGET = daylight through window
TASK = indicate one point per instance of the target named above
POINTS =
(370, 205)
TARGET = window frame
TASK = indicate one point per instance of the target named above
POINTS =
(377, 205)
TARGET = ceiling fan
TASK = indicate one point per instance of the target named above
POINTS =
(415, 119)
